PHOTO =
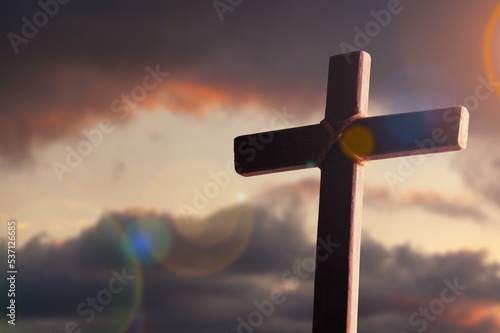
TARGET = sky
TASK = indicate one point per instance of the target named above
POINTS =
(116, 162)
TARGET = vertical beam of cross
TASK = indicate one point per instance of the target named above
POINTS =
(341, 192)
(337, 272)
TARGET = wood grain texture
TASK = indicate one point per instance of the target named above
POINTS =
(339, 225)
(395, 135)
(339, 221)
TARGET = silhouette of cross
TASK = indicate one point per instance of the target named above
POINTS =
(340, 145)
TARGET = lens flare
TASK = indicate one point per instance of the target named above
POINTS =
(138, 324)
(488, 47)
(357, 141)
(126, 305)
(420, 87)
(208, 246)
(193, 190)
(241, 197)
(407, 130)
(149, 240)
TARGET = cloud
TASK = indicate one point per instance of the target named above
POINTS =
(400, 281)
(189, 277)
(480, 168)
(279, 199)
(447, 204)
(67, 76)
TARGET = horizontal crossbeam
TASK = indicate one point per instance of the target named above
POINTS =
(395, 135)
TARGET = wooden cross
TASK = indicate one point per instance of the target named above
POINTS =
(339, 146)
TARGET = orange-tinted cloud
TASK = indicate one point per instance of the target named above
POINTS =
(200, 99)
(68, 75)
(478, 313)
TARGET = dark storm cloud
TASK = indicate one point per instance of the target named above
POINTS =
(182, 295)
(185, 289)
(263, 53)
(398, 282)
(90, 53)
